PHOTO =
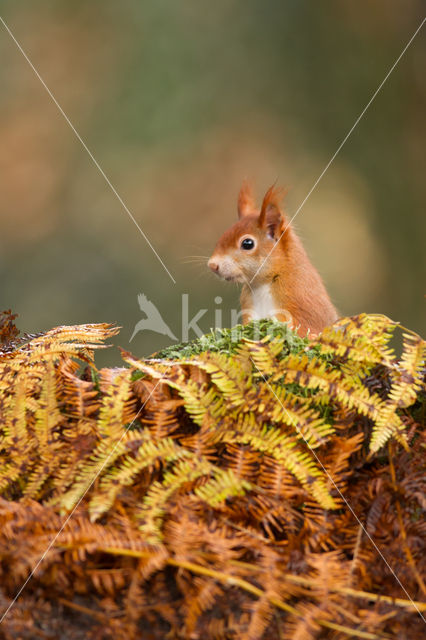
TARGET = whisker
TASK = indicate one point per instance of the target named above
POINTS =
(206, 257)
(194, 261)
(247, 282)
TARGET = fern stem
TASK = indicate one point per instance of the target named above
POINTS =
(355, 593)
(356, 633)
(247, 586)
(78, 607)
(232, 580)
(223, 577)
(347, 591)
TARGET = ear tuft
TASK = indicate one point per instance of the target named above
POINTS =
(246, 203)
(271, 201)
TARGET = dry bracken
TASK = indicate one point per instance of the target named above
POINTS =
(272, 490)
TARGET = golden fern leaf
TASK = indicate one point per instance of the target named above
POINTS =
(87, 471)
(111, 432)
(330, 383)
(298, 412)
(152, 510)
(47, 416)
(75, 341)
(31, 447)
(287, 451)
(149, 455)
(15, 440)
(219, 486)
(388, 425)
(88, 336)
(14, 428)
(223, 485)
(202, 404)
(263, 353)
(47, 420)
(361, 338)
(117, 385)
(407, 381)
(232, 376)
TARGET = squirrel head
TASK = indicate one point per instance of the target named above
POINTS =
(243, 248)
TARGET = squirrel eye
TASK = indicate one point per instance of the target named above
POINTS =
(247, 244)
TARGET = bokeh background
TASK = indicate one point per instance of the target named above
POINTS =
(179, 101)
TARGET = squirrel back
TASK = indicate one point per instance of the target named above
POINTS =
(263, 252)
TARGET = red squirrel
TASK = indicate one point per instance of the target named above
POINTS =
(278, 281)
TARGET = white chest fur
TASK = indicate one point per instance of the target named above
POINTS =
(263, 305)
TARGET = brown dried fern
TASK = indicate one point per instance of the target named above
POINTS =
(202, 492)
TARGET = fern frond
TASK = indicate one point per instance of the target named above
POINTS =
(88, 470)
(207, 489)
(223, 485)
(231, 376)
(151, 512)
(148, 456)
(110, 421)
(360, 339)
(14, 429)
(407, 381)
(200, 598)
(337, 461)
(263, 353)
(298, 413)
(202, 404)
(327, 382)
(80, 396)
(286, 450)
(47, 416)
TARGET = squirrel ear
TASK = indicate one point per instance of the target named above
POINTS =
(271, 201)
(246, 203)
(275, 222)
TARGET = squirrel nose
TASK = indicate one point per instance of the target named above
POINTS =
(213, 265)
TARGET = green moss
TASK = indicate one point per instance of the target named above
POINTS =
(227, 340)
(137, 375)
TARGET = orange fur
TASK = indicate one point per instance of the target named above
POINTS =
(287, 286)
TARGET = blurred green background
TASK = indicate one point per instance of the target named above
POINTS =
(179, 101)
